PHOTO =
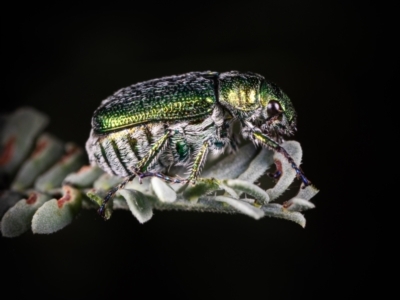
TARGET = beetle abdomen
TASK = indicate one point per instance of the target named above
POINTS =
(185, 97)
(118, 153)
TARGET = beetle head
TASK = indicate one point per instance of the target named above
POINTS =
(278, 117)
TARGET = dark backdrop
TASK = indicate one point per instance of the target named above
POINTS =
(334, 59)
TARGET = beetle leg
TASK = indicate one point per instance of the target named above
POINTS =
(143, 164)
(198, 163)
(111, 193)
(153, 153)
(194, 173)
(265, 140)
(275, 175)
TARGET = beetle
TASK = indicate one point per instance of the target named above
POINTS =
(143, 129)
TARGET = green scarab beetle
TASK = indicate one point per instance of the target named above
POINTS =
(145, 128)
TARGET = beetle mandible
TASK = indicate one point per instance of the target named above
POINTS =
(144, 129)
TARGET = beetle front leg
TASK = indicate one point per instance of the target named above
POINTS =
(265, 140)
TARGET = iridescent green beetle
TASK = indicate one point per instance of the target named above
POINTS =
(145, 128)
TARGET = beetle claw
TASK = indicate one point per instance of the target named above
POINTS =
(101, 211)
(275, 175)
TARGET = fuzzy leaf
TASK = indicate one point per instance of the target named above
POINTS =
(301, 201)
(18, 137)
(48, 150)
(241, 206)
(288, 174)
(258, 166)
(251, 189)
(18, 218)
(56, 214)
(70, 162)
(106, 182)
(232, 165)
(143, 186)
(308, 192)
(298, 204)
(139, 204)
(278, 211)
(84, 177)
(8, 199)
(202, 187)
(162, 190)
(228, 190)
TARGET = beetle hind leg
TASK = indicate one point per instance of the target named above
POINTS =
(140, 171)
(111, 193)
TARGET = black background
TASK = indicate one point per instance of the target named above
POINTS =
(334, 59)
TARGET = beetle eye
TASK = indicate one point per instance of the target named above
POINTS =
(273, 108)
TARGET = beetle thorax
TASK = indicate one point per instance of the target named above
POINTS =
(240, 92)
